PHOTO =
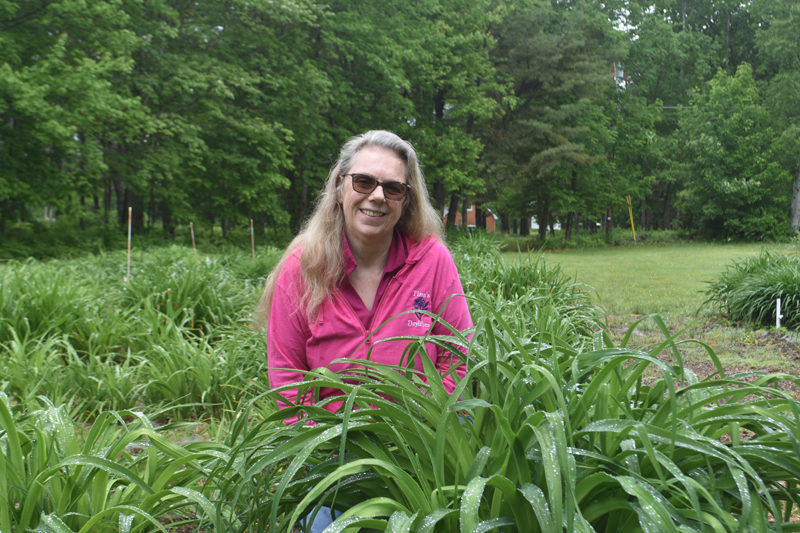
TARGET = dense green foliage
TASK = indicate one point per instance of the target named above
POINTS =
(748, 290)
(219, 113)
(553, 428)
(176, 334)
(737, 180)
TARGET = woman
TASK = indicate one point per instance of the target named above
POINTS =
(371, 250)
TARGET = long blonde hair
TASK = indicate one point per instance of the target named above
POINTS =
(322, 259)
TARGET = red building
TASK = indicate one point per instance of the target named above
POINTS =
(489, 218)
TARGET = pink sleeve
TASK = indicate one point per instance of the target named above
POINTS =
(287, 332)
(456, 314)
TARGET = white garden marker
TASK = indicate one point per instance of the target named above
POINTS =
(778, 315)
(128, 275)
(252, 240)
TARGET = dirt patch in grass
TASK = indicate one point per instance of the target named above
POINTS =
(784, 343)
(740, 350)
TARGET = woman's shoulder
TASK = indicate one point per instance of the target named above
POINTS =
(291, 269)
(428, 248)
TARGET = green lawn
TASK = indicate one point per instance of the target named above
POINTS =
(670, 281)
(650, 279)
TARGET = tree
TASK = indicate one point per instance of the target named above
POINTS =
(210, 153)
(454, 90)
(556, 129)
(222, 112)
(58, 61)
(667, 57)
(737, 190)
(342, 76)
(778, 43)
(676, 46)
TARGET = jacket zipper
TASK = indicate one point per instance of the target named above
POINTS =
(379, 307)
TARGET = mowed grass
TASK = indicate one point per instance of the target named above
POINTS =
(650, 279)
(632, 282)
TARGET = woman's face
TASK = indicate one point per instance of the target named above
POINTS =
(370, 218)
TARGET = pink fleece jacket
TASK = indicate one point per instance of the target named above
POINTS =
(426, 282)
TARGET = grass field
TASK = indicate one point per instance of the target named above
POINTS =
(631, 282)
(650, 279)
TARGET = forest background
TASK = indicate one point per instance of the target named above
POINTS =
(221, 112)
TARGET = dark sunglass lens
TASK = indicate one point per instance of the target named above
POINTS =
(394, 189)
(364, 184)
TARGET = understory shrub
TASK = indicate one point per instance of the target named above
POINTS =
(748, 290)
(586, 238)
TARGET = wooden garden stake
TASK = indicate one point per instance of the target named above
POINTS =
(194, 246)
(630, 212)
(252, 240)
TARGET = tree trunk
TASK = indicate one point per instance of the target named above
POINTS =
(138, 210)
(505, 223)
(166, 220)
(128, 199)
(644, 215)
(568, 227)
(666, 219)
(609, 223)
(452, 209)
(572, 216)
(543, 218)
(303, 203)
(122, 200)
(438, 196)
(525, 226)
(795, 209)
(81, 220)
(106, 201)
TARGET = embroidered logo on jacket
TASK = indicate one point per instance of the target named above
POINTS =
(421, 302)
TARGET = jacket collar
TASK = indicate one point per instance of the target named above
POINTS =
(399, 254)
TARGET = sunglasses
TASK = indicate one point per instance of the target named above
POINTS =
(365, 184)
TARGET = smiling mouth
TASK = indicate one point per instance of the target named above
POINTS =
(371, 213)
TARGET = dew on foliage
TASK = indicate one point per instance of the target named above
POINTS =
(125, 521)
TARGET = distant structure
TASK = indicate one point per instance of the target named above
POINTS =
(489, 218)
